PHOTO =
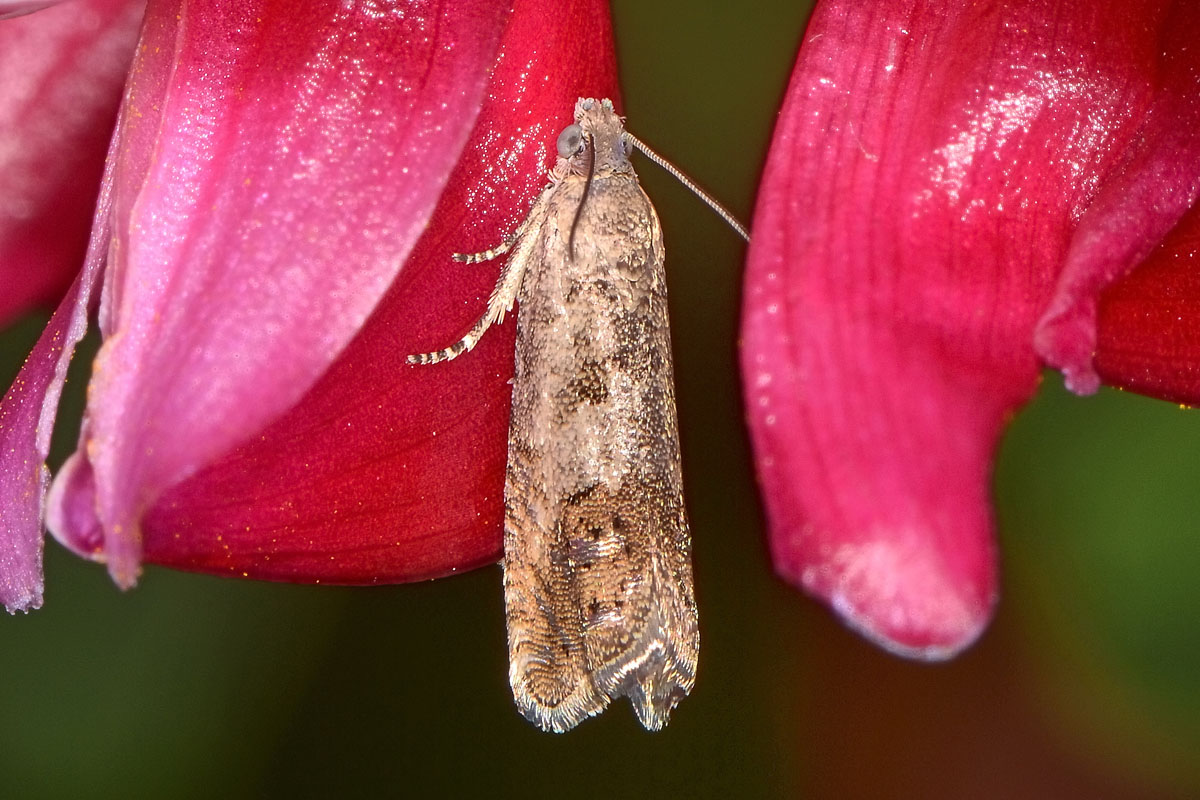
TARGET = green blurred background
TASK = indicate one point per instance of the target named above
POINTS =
(1086, 685)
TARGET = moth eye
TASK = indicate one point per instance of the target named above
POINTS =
(627, 146)
(570, 141)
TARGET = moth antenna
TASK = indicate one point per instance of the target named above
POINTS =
(722, 212)
(587, 186)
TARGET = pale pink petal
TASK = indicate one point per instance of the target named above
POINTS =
(278, 163)
(27, 415)
(63, 72)
(16, 8)
(26, 420)
(71, 509)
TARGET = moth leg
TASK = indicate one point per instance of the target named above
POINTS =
(501, 300)
(491, 252)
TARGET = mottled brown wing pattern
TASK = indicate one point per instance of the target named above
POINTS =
(597, 556)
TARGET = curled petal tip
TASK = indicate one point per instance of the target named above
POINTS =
(71, 519)
(903, 597)
(1066, 340)
(23, 601)
(1083, 381)
(71, 509)
(125, 577)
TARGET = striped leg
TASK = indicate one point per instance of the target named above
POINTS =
(501, 300)
(489, 254)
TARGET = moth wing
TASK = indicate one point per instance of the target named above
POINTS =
(639, 614)
(629, 535)
(548, 665)
(548, 668)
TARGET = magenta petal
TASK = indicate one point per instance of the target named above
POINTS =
(279, 162)
(1152, 190)
(928, 171)
(1148, 340)
(386, 471)
(27, 415)
(71, 509)
(26, 421)
(63, 72)
(16, 8)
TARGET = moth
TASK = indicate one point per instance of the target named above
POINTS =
(597, 553)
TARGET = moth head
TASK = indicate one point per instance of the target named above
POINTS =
(598, 129)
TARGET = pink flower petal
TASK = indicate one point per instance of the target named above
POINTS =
(63, 71)
(71, 509)
(26, 422)
(17, 8)
(277, 165)
(385, 471)
(930, 167)
(1148, 339)
(1157, 181)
